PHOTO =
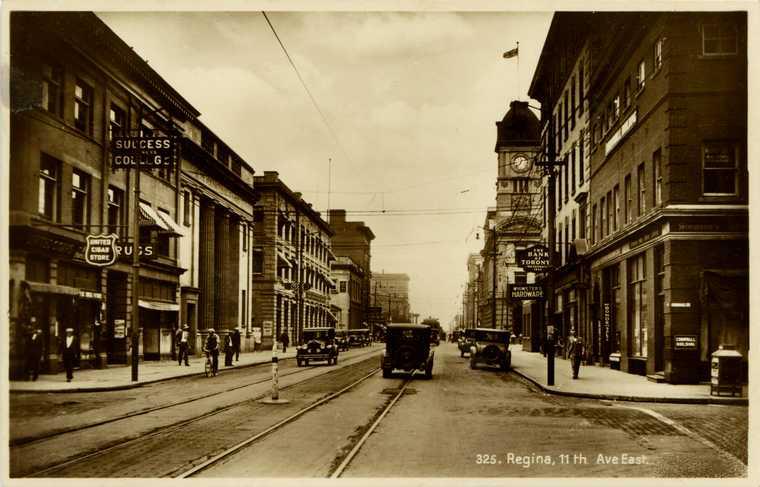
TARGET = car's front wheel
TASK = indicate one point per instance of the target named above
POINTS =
(472, 362)
(386, 373)
(300, 363)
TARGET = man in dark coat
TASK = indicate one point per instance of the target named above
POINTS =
(236, 343)
(229, 350)
(285, 341)
(34, 354)
(69, 349)
(575, 353)
(212, 348)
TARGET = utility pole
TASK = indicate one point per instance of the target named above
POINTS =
(552, 213)
(493, 284)
(135, 332)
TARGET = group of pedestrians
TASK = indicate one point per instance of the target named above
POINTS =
(35, 346)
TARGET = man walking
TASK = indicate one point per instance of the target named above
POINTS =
(69, 348)
(212, 348)
(34, 354)
(184, 344)
(285, 341)
(575, 353)
(236, 343)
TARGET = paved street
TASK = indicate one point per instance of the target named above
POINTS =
(463, 423)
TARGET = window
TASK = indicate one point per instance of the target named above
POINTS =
(244, 229)
(187, 208)
(572, 170)
(593, 224)
(342, 286)
(52, 89)
(616, 107)
(641, 75)
(573, 235)
(602, 218)
(610, 208)
(582, 218)
(566, 131)
(116, 121)
(83, 107)
(628, 200)
(115, 210)
(580, 88)
(559, 187)
(657, 176)
(719, 168)
(244, 310)
(565, 243)
(642, 190)
(566, 172)
(616, 214)
(47, 203)
(637, 300)
(581, 144)
(572, 102)
(79, 202)
(561, 245)
(657, 54)
(719, 39)
(520, 185)
(163, 244)
(627, 93)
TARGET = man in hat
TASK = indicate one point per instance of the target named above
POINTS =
(34, 352)
(236, 343)
(212, 348)
(69, 348)
(575, 352)
(184, 344)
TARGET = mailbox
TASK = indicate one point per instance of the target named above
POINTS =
(615, 361)
(725, 371)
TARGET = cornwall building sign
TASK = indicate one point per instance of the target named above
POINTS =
(526, 292)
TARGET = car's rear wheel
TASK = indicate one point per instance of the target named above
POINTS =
(472, 362)
(429, 371)
(386, 373)
(461, 353)
(300, 363)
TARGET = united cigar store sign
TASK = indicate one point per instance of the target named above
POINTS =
(104, 249)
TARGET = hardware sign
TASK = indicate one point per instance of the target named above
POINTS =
(526, 292)
(144, 152)
(101, 249)
(534, 259)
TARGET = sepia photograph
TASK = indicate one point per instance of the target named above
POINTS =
(412, 243)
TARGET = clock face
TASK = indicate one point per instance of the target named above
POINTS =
(520, 163)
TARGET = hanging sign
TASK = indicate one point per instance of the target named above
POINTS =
(144, 152)
(534, 259)
(525, 292)
(101, 249)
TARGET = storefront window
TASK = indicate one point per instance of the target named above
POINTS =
(638, 303)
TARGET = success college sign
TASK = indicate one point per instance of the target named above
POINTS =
(143, 152)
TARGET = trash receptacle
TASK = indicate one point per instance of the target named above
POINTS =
(615, 361)
(725, 371)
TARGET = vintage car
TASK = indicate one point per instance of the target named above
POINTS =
(341, 340)
(490, 346)
(359, 338)
(407, 349)
(465, 341)
(318, 344)
(435, 336)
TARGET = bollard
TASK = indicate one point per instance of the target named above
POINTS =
(275, 397)
(550, 362)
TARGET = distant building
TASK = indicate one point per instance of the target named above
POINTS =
(391, 293)
(472, 291)
(347, 296)
(291, 263)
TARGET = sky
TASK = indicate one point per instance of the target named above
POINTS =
(407, 104)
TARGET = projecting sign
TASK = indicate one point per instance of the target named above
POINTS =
(144, 152)
(101, 249)
(534, 259)
(685, 342)
(526, 291)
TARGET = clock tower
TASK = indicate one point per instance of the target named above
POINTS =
(518, 183)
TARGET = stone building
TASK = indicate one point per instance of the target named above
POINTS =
(391, 293)
(471, 293)
(347, 295)
(668, 252)
(291, 263)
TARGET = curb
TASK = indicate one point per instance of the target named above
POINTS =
(732, 401)
(121, 387)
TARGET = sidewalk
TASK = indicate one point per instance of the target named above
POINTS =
(116, 377)
(604, 383)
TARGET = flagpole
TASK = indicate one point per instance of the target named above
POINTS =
(518, 70)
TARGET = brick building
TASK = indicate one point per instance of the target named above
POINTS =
(391, 293)
(291, 263)
(66, 104)
(347, 296)
(354, 240)
(666, 97)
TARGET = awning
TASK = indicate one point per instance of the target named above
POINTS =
(284, 258)
(157, 305)
(149, 218)
(174, 227)
(330, 252)
(332, 316)
(44, 287)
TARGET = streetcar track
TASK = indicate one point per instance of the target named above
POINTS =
(178, 426)
(234, 449)
(26, 441)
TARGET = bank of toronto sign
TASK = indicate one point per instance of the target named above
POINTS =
(144, 152)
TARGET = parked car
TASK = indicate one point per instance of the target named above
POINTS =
(319, 344)
(359, 337)
(490, 346)
(465, 341)
(407, 349)
(341, 340)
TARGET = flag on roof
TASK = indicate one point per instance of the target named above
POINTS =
(511, 53)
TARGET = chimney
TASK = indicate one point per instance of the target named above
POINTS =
(337, 216)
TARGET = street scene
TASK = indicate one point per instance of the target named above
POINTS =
(401, 245)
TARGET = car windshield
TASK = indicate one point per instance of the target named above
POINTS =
(490, 336)
(316, 335)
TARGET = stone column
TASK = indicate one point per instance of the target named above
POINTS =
(207, 274)
(232, 290)
(222, 276)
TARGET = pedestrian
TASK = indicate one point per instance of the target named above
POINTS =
(236, 343)
(69, 348)
(34, 353)
(212, 349)
(256, 339)
(184, 344)
(575, 352)
(285, 341)
(229, 350)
